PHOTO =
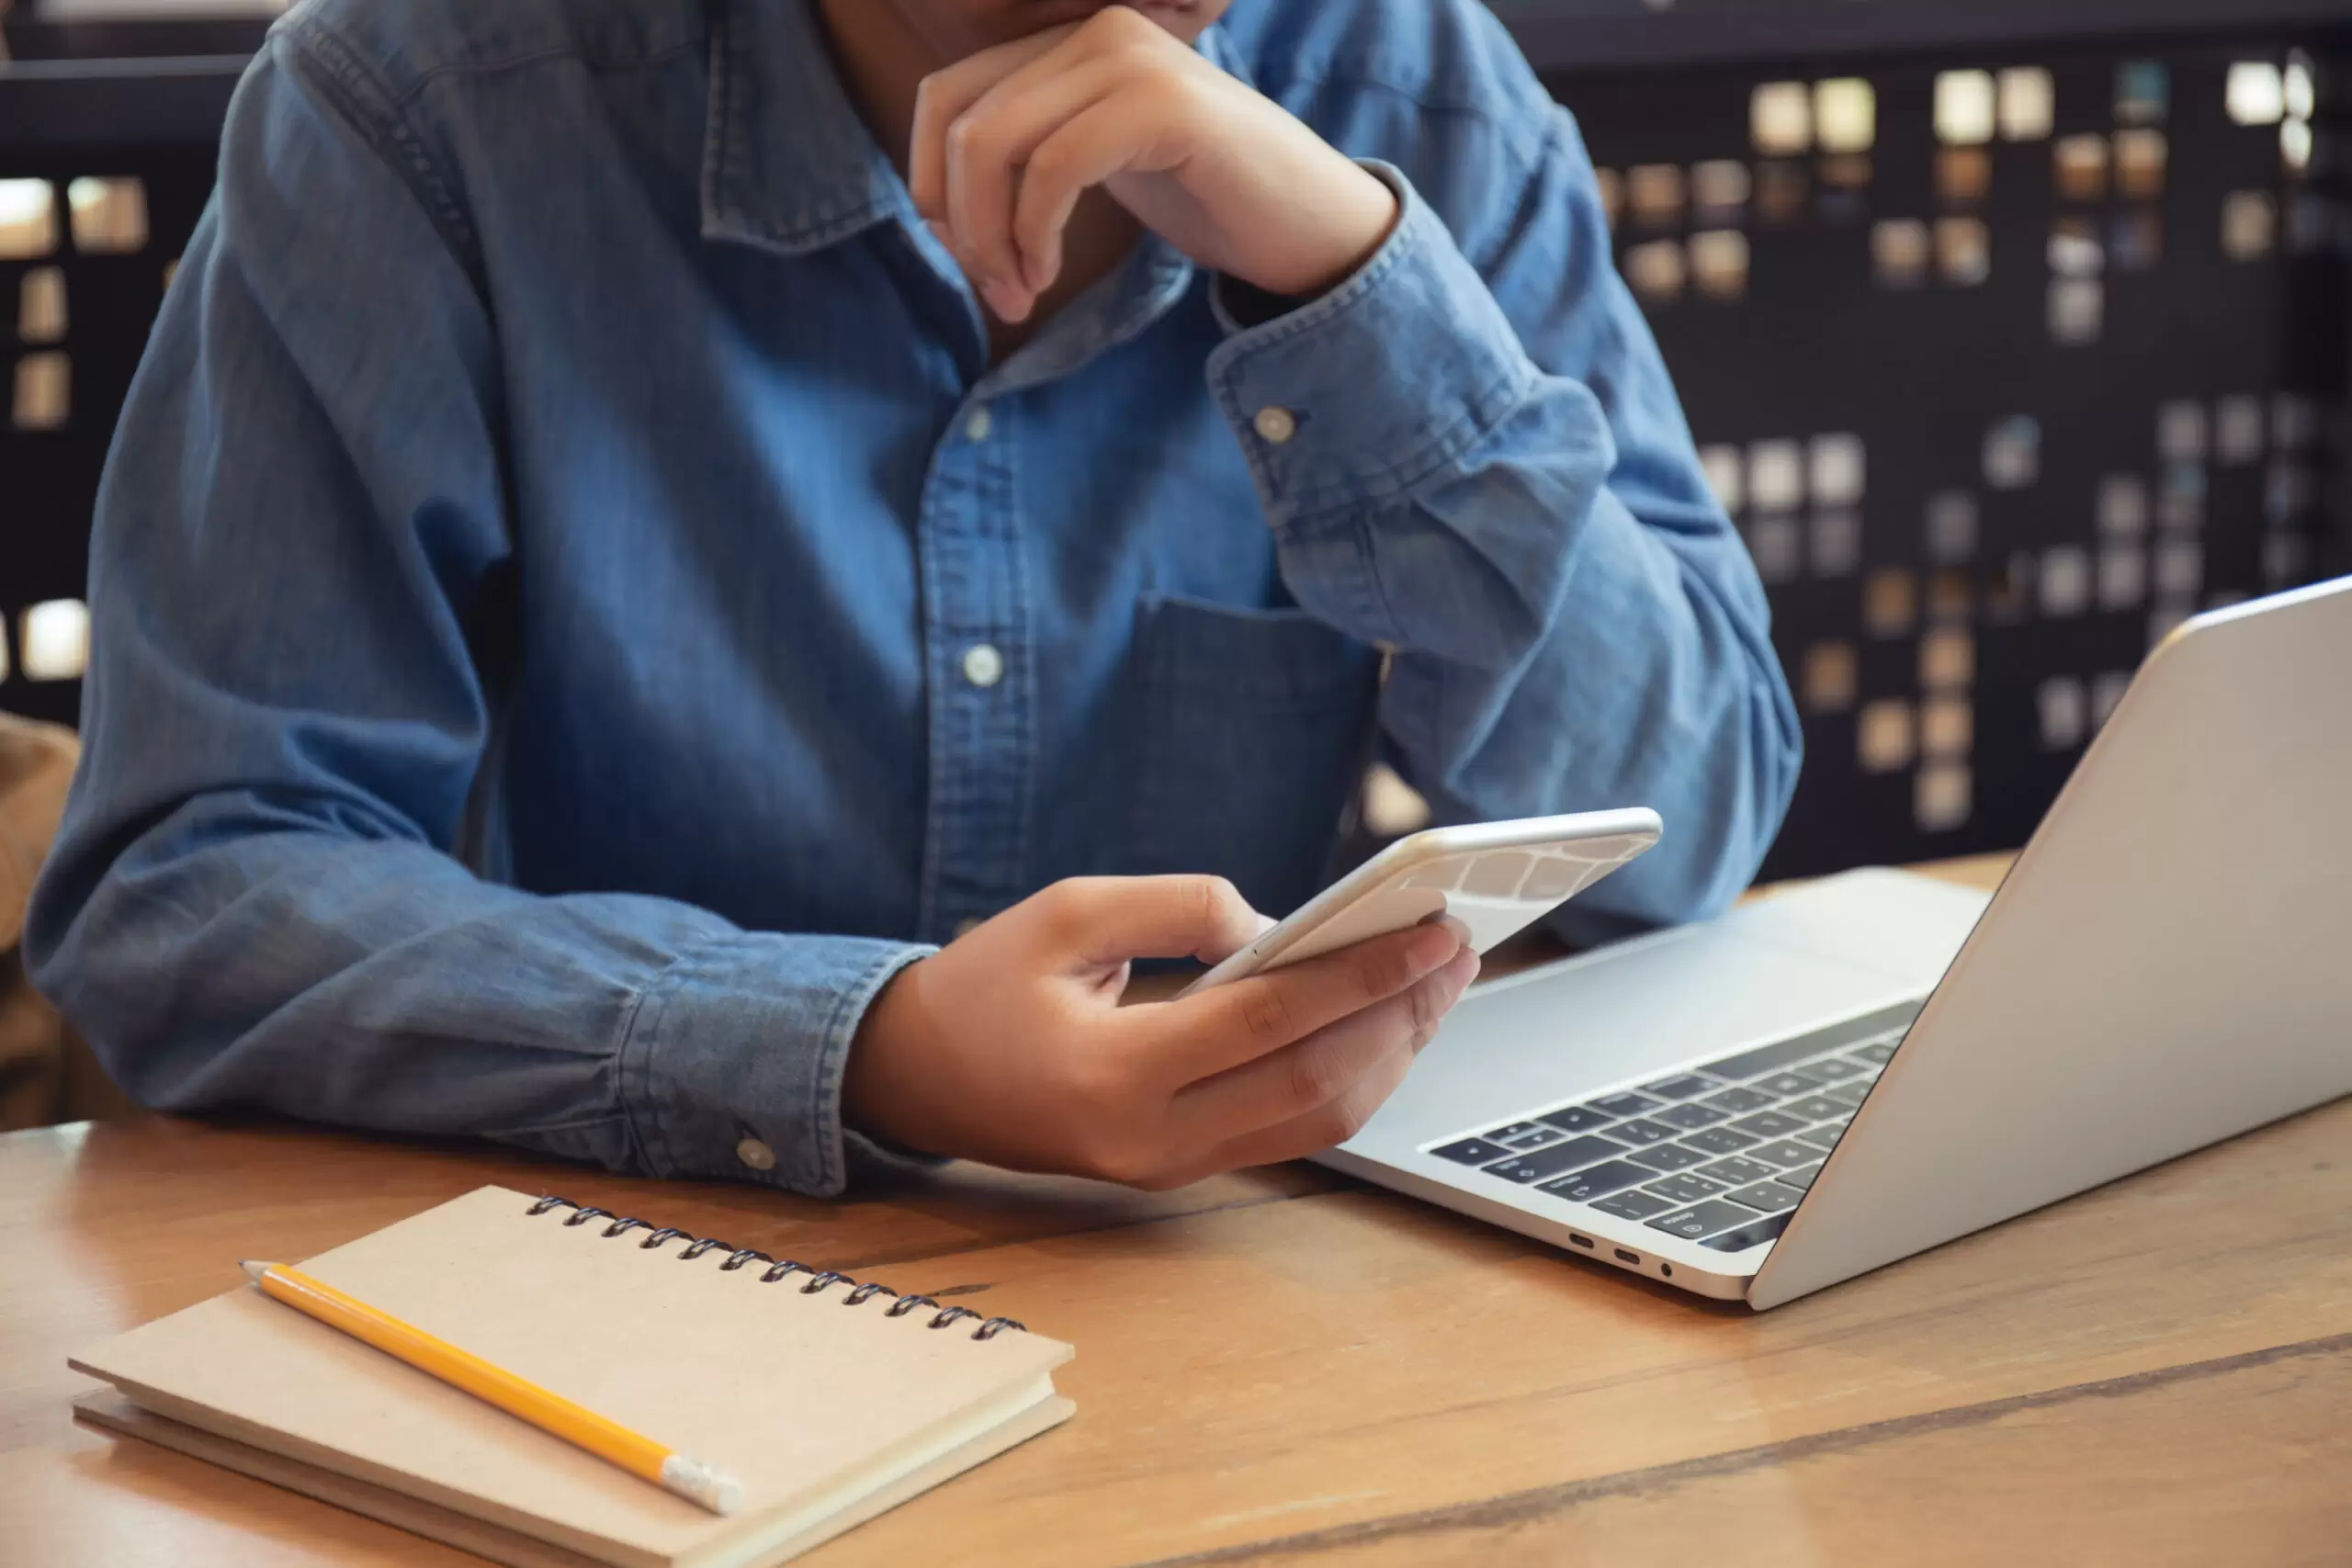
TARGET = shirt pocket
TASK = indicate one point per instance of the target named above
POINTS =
(1257, 724)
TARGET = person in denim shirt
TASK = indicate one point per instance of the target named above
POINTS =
(686, 583)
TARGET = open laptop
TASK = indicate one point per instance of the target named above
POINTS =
(1854, 1071)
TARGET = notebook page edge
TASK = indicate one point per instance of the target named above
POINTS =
(114, 1413)
(234, 1429)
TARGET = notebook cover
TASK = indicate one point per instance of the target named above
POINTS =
(811, 1404)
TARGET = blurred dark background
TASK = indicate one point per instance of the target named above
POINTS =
(2012, 332)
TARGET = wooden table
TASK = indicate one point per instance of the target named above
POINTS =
(1282, 1368)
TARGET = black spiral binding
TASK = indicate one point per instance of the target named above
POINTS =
(819, 1281)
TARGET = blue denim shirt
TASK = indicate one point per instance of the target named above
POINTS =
(576, 610)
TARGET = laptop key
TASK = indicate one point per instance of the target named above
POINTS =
(1802, 1177)
(1719, 1140)
(1575, 1118)
(1737, 1172)
(1738, 1100)
(1689, 1086)
(1789, 1080)
(1627, 1104)
(1849, 1096)
(1668, 1157)
(1771, 1124)
(1685, 1188)
(1516, 1130)
(1767, 1197)
(1703, 1220)
(1641, 1130)
(1573, 1155)
(1786, 1152)
(1537, 1139)
(1815, 1108)
(1599, 1182)
(1688, 1116)
(1833, 1068)
(1769, 1228)
(1471, 1151)
(1878, 1052)
(1634, 1206)
(1823, 1138)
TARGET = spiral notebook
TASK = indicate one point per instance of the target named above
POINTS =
(828, 1399)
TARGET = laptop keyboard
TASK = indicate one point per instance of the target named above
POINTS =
(1720, 1153)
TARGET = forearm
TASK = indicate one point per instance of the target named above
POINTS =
(228, 957)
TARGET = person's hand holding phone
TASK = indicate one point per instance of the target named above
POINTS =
(1010, 1045)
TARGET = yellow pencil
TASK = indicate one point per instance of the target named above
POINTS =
(550, 1412)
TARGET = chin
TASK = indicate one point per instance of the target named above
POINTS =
(1185, 18)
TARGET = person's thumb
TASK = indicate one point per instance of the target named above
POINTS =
(1103, 921)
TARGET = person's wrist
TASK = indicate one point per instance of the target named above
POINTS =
(1364, 216)
(879, 1098)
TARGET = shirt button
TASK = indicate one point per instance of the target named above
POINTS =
(977, 424)
(756, 1153)
(1275, 424)
(983, 665)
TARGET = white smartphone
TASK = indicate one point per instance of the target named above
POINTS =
(1495, 877)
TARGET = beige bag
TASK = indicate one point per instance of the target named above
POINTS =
(46, 1073)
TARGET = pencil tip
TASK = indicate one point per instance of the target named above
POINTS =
(254, 1270)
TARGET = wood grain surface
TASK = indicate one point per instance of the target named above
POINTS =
(1284, 1368)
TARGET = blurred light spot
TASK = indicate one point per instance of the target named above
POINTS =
(2080, 164)
(28, 219)
(2257, 93)
(1882, 737)
(1829, 680)
(40, 305)
(1940, 797)
(1845, 115)
(2028, 103)
(1392, 807)
(56, 636)
(109, 216)
(2249, 224)
(1780, 118)
(1964, 251)
(44, 392)
(1964, 112)
(2064, 711)
(1838, 469)
(1899, 252)
(2065, 581)
(1951, 525)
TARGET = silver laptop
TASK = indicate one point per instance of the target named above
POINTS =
(1854, 1071)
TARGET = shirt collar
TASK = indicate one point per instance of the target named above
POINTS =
(788, 164)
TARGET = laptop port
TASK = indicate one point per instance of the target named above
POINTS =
(1583, 1241)
(1625, 1257)
(1666, 1270)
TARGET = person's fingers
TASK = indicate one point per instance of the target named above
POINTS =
(1311, 1133)
(1092, 921)
(989, 144)
(1214, 1030)
(1100, 141)
(1323, 1070)
(943, 96)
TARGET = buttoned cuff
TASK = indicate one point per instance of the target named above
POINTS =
(733, 1063)
(1376, 388)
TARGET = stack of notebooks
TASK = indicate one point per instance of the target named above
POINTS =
(829, 1404)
